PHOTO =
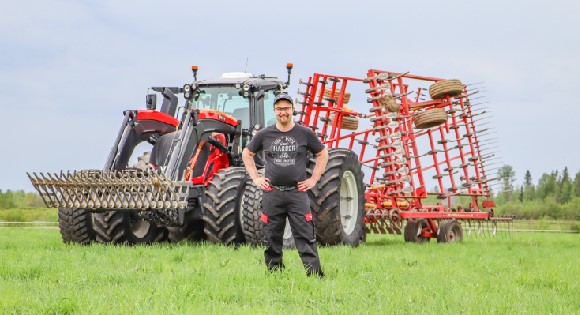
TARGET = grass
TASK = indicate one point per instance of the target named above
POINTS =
(527, 273)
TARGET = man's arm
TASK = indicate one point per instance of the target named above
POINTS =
(248, 158)
(319, 167)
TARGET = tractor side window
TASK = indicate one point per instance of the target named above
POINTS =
(269, 116)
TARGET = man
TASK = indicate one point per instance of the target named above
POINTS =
(285, 185)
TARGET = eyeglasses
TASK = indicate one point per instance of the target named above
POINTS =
(283, 109)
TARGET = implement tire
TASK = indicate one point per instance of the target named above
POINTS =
(223, 206)
(338, 201)
(126, 227)
(76, 226)
(430, 118)
(413, 231)
(439, 90)
(450, 231)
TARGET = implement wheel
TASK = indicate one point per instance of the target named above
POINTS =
(76, 225)
(439, 90)
(337, 201)
(348, 122)
(450, 231)
(430, 118)
(223, 205)
(413, 231)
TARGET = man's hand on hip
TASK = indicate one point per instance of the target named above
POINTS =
(262, 182)
(307, 184)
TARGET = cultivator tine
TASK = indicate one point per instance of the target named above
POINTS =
(305, 83)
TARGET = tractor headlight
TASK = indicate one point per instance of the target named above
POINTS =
(188, 91)
(246, 87)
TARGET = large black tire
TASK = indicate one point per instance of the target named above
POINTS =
(450, 231)
(76, 225)
(338, 201)
(413, 231)
(126, 227)
(252, 225)
(222, 206)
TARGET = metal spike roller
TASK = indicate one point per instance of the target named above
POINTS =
(110, 190)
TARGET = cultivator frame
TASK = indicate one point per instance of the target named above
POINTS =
(389, 138)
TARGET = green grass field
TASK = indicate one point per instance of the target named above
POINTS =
(527, 273)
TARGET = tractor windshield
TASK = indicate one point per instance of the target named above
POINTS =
(224, 99)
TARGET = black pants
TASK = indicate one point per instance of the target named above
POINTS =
(294, 205)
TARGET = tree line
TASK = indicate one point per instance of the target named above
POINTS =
(19, 199)
(555, 196)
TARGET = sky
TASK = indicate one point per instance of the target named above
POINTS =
(70, 68)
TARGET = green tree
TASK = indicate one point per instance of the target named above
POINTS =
(529, 188)
(566, 192)
(547, 186)
(507, 176)
(577, 184)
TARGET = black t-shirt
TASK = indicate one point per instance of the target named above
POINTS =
(286, 153)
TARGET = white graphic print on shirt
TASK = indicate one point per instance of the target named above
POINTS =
(284, 151)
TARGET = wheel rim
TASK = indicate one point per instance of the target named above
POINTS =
(140, 227)
(348, 202)
(455, 233)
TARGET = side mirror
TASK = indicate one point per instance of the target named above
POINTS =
(151, 101)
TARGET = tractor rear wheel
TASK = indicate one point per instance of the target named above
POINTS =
(76, 225)
(413, 231)
(126, 227)
(450, 231)
(252, 225)
(223, 206)
(337, 201)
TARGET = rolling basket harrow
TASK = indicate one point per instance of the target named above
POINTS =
(407, 142)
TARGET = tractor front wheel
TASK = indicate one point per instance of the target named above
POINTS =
(223, 205)
(126, 227)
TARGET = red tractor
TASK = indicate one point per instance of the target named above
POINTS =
(189, 183)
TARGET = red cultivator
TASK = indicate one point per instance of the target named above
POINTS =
(408, 142)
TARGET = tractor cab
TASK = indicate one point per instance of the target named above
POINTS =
(239, 95)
